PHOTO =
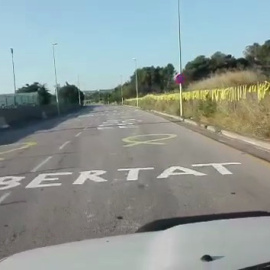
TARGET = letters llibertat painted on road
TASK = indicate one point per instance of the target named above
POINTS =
(45, 180)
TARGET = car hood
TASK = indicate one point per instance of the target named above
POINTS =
(232, 244)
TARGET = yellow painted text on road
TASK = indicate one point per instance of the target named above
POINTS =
(150, 139)
(18, 146)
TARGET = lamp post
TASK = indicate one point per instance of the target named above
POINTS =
(137, 90)
(122, 90)
(13, 69)
(56, 83)
(79, 92)
(180, 60)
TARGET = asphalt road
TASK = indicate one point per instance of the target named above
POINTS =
(109, 170)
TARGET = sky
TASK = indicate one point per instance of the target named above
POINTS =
(98, 39)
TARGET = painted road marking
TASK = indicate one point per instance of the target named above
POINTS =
(64, 145)
(219, 167)
(41, 164)
(78, 135)
(144, 139)
(46, 177)
(3, 197)
(126, 127)
(133, 173)
(97, 176)
(177, 170)
(104, 128)
(24, 145)
(90, 175)
(122, 124)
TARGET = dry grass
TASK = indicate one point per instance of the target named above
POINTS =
(248, 116)
(228, 79)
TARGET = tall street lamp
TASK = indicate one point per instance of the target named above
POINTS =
(122, 90)
(137, 90)
(56, 83)
(180, 60)
(13, 69)
(79, 91)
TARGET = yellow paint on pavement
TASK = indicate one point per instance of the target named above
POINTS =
(150, 139)
(20, 146)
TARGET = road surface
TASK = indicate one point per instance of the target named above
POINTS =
(109, 170)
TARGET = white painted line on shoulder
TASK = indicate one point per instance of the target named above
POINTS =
(129, 126)
(79, 134)
(102, 128)
(64, 145)
(41, 164)
(3, 197)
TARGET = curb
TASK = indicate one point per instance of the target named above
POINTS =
(255, 142)
(169, 115)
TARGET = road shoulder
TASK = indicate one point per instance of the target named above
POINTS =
(256, 148)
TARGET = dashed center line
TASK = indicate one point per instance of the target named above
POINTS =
(41, 164)
(3, 197)
(79, 134)
(64, 145)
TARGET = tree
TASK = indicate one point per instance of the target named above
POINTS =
(44, 96)
(259, 56)
(168, 76)
(197, 69)
(150, 80)
(69, 94)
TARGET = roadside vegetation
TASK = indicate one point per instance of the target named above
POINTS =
(221, 90)
(68, 94)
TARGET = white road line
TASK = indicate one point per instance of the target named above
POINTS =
(41, 164)
(79, 134)
(103, 128)
(63, 145)
(2, 198)
(130, 126)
